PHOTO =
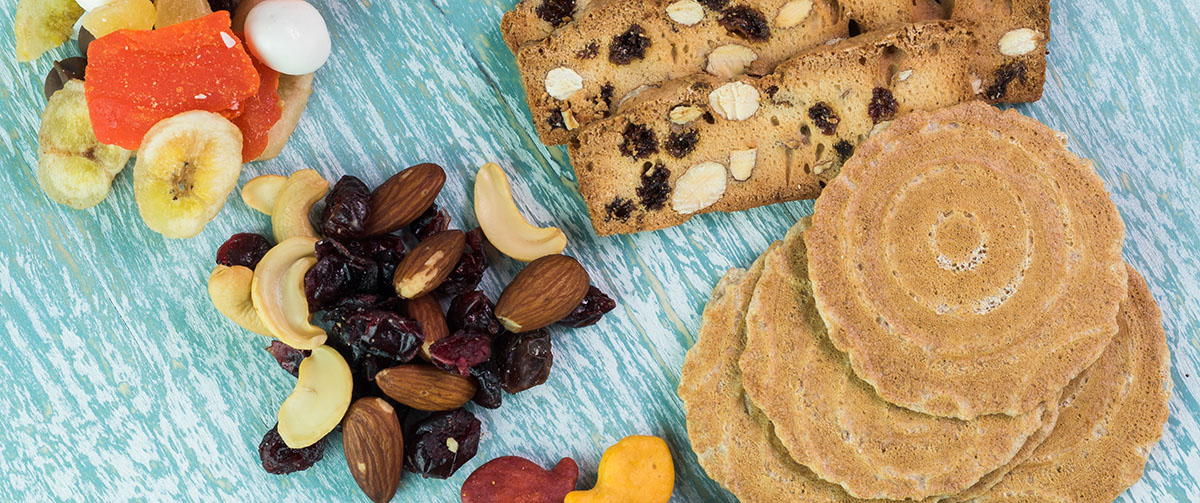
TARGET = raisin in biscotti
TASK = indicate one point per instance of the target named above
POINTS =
(586, 68)
(534, 20)
(1017, 32)
(699, 144)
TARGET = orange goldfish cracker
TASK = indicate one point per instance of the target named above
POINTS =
(638, 469)
(137, 78)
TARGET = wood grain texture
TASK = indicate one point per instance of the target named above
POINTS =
(120, 381)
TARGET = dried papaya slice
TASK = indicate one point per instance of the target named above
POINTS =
(258, 113)
(137, 78)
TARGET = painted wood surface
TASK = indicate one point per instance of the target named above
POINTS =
(120, 382)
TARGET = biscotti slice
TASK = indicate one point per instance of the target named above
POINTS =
(699, 144)
(534, 20)
(1017, 32)
(612, 51)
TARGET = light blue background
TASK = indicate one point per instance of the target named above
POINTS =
(120, 382)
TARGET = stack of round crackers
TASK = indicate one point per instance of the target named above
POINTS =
(954, 323)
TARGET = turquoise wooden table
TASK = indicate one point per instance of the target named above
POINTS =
(120, 382)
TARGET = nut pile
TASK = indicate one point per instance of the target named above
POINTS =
(405, 337)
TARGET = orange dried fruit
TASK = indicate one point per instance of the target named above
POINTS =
(258, 113)
(137, 78)
(120, 15)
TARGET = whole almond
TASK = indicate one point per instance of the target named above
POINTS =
(425, 387)
(429, 264)
(403, 198)
(428, 312)
(374, 445)
(547, 290)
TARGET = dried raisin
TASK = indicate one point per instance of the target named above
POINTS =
(619, 208)
(654, 190)
(594, 306)
(638, 141)
(488, 393)
(715, 4)
(844, 150)
(1005, 75)
(473, 310)
(682, 143)
(745, 22)
(824, 118)
(628, 46)
(346, 209)
(589, 51)
(279, 459)
(556, 12)
(555, 119)
(433, 221)
(883, 105)
(524, 359)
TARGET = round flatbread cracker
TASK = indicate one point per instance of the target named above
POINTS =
(834, 423)
(1111, 417)
(732, 440)
(967, 262)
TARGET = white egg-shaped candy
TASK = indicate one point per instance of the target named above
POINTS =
(288, 35)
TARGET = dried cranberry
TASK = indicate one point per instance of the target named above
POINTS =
(433, 221)
(682, 143)
(339, 272)
(288, 357)
(628, 46)
(715, 4)
(824, 118)
(470, 268)
(555, 119)
(488, 393)
(771, 90)
(461, 351)
(346, 209)
(883, 105)
(844, 150)
(745, 22)
(619, 208)
(244, 249)
(1005, 75)
(473, 310)
(385, 334)
(524, 360)
(278, 458)
(638, 141)
(442, 443)
(654, 189)
(593, 307)
(556, 12)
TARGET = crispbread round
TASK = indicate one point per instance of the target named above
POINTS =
(967, 262)
(1111, 416)
(732, 440)
(835, 424)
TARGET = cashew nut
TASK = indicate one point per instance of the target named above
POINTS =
(278, 293)
(503, 223)
(290, 216)
(319, 400)
(229, 289)
(260, 192)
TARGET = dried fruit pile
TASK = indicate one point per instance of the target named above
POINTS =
(396, 292)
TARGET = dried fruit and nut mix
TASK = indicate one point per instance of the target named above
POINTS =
(403, 328)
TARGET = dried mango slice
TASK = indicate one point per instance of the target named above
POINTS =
(258, 113)
(137, 78)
